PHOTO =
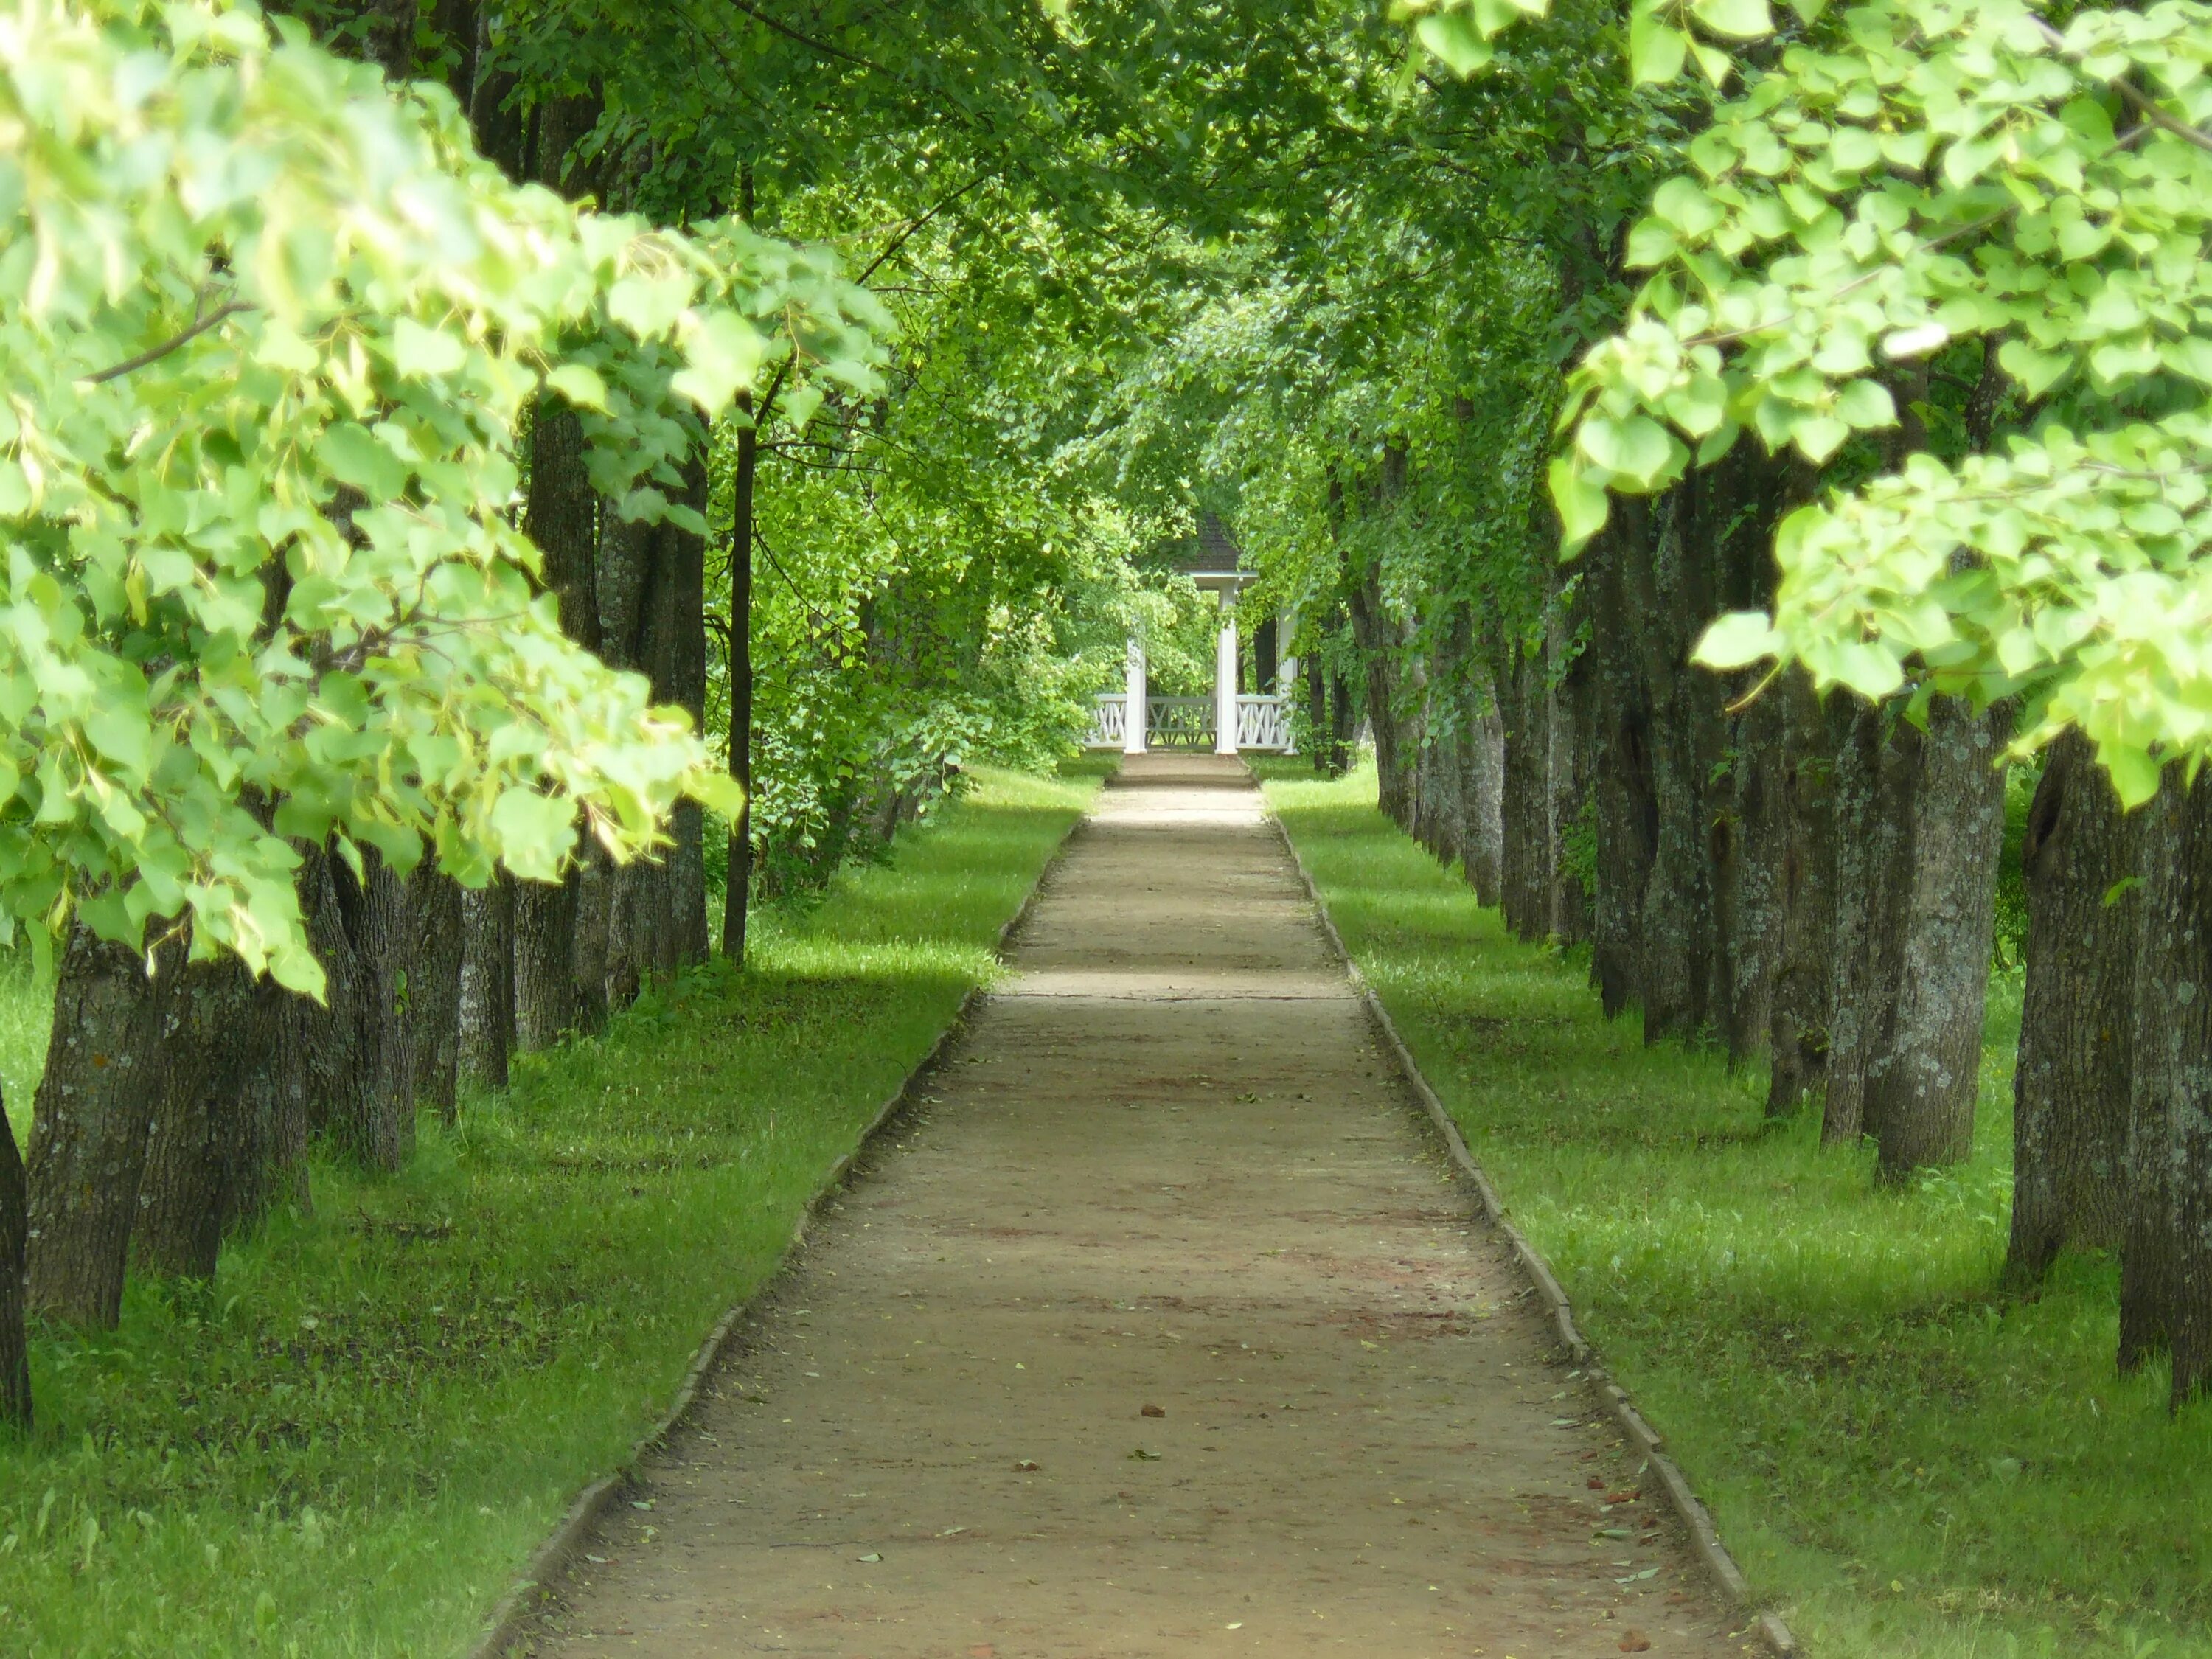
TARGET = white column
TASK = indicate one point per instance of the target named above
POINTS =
(1286, 670)
(1225, 679)
(1132, 727)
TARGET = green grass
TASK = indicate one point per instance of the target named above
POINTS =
(1905, 1463)
(351, 1442)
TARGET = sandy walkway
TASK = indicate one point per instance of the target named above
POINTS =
(1161, 1328)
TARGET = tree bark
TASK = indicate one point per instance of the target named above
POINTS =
(2072, 1081)
(738, 896)
(484, 1016)
(434, 989)
(372, 1122)
(544, 963)
(1750, 839)
(1628, 817)
(2166, 1264)
(1921, 1092)
(593, 882)
(1804, 979)
(1566, 673)
(14, 1345)
(268, 1155)
(89, 1128)
(1877, 773)
(204, 1051)
(1485, 788)
(1526, 862)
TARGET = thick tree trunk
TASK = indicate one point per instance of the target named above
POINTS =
(1921, 1090)
(544, 963)
(1377, 637)
(192, 1152)
(1804, 980)
(268, 1155)
(1567, 669)
(593, 882)
(373, 1123)
(484, 1019)
(1877, 774)
(2071, 1084)
(1750, 841)
(14, 1224)
(1627, 818)
(89, 1128)
(561, 517)
(1486, 789)
(737, 899)
(1527, 862)
(2166, 1272)
(686, 562)
(434, 989)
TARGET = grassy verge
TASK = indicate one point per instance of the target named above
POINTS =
(1905, 1463)
(351, 1441)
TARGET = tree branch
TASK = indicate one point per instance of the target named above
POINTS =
(199, 326)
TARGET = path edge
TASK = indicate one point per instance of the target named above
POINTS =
(1705, 1536)
(509, 1620)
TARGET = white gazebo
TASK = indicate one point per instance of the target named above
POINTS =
(1230, 721)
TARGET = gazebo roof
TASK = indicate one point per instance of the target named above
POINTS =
(1210, 556)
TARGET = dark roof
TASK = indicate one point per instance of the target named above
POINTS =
(1210, 550)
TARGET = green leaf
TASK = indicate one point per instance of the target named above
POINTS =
(1655, 48)
(1583, 506)
(421, 352)
(1739, 19)
(1738, 640)
(1452, 37)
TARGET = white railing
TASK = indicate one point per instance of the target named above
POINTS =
(1179, 723)
(1188, 722)
(1109, 721)
(1261, 723)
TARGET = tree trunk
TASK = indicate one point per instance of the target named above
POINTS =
(1626, 816)
(89, 1128)
(1566, 671)
(1804, 979)
(1877, 772)
(373, 1123)
(561, 517)
(738, 896)
(593, 881)
(2072, 1081)
(1377, 637)
(1750, 836)
(1485, 788)
(15, 1222)
(433, 990)
(1525, 864)
(2166, 1264)
(1921, 1092)
(207, 1030)
(544, 963)
(484, 1016)
(268, 1155)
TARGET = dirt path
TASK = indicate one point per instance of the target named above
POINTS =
(1162, 1327)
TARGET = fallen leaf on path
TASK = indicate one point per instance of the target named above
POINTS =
(1141, 1455)
(1627, 1496)
(983, 1651)
(1635, 1641)
(952, 1532)
(871, 1555)
(1596, 1484)
(1648, 1572)
(1027, 1466)
(1153, 1410)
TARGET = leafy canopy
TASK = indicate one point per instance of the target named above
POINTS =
(1897, 187)
(270, 335)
